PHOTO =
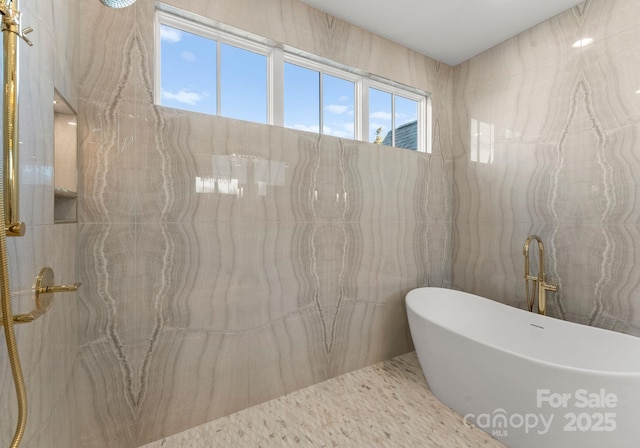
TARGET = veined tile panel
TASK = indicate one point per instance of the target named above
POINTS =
(101, 394)
(106, 181)
(390, 185)
(229, 277)
(36, 118)
(615, 103)
(48, 347)
(106, 256)
(295, 176)
(219, 169)
(273, 284)
(564, 164)
(604, 19)
(225, 262)
(548, 42)
(65, 16)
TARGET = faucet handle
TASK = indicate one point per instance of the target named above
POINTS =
(58, 288)
(550, 287)
(23, 35)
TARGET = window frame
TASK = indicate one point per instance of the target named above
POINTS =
(219, 37)
(325, 69)
(277, 55)
(422, 104)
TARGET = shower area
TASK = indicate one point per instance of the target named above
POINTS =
(195, 304)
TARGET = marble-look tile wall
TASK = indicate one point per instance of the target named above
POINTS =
(546, 141)
(49, 346)
(199, 304)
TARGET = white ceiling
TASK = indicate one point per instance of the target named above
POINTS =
(450, 31)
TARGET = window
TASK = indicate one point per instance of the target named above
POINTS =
(215, 69)
(380, 114)
(188, 71)
(206, 71)
(243, 84)
(393, 119)
(301, 98)
(338, 103)
(316, 101)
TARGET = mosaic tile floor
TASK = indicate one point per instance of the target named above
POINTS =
(384, 405)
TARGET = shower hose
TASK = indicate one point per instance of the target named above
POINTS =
(10, 334)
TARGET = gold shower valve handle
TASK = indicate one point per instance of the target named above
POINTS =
(44, 291)
(59, 288)
(45, 287)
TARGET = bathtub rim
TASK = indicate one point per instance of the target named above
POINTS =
(629, 375)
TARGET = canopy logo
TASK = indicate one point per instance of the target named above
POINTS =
(593, 419)
(498, 423)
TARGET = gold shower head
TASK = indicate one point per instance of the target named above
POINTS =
(118, 3)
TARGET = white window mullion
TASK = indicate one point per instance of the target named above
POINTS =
(218, 80)
(393, 119)
(275, 97)
(321, 115)
(362, 109)
(425, 125)
(157, 94)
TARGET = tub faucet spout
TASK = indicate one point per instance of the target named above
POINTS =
(539, 283)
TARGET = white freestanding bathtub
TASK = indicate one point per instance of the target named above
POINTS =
(526, 379)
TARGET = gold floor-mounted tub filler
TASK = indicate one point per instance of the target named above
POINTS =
(539, 285)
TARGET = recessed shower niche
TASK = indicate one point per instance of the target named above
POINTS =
(65, 138)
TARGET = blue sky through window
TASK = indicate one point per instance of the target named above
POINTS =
(379, 113)
(302, 102)
(188, 81)
(188, 71)
(337, 105)
(301, 98)
(243, 84)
